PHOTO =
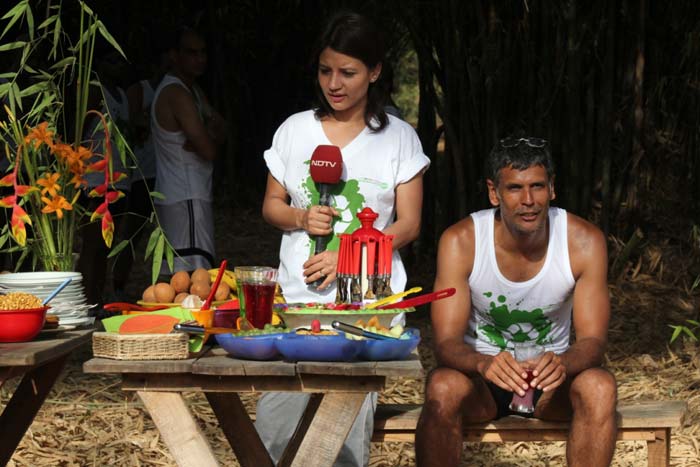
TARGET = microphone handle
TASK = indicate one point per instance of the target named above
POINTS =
(324, 191)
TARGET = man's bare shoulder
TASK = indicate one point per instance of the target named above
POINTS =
(457, 241)
(586, 242)
(174, 92)
(461, 233)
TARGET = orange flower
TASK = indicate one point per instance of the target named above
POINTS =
(84, 153)
(50, 184)
(40, 134)
(77, 181)
(57, 205)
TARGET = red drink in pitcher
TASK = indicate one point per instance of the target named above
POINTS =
(258, 303)
(525, 403)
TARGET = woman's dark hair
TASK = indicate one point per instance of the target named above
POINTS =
(354, 35)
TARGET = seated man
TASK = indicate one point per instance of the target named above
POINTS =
(523, 270)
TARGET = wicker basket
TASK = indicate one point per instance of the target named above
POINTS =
(140, 346)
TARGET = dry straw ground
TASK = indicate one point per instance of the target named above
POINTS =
(88, 420)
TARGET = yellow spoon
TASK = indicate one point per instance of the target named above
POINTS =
(392, 298)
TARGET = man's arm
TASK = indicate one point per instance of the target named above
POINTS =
(450, 317)
(185, 112)
(591, 303)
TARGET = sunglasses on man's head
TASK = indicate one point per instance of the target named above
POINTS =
(532, 142)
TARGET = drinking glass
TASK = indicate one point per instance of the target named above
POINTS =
(527, 354)
(256, 293)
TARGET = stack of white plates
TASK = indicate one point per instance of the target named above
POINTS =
(70, 305)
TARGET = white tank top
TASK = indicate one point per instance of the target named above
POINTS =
(537, 310)
(180, 174)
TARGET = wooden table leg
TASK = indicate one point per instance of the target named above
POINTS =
(239, 429)
(300, 432)
(327, 432)
(25, 403)
(178, 429)
(659, 450)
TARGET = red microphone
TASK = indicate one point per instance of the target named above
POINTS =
(326, 169)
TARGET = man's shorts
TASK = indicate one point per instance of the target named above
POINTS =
(503, 398)
(189, 226)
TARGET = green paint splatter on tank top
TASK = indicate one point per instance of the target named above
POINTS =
(514, 325)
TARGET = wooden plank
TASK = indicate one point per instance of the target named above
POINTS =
(659, 449)
(328, 430)
(324, 383)
(218, 362)
(409, 368)
(42, 350)
(178, 429)
(299, 434)
(661, 414)
(107, 365)
(25, 403)
(239, 430)
(208, 383)
(653, 414)
(514, 435)
(338, 368)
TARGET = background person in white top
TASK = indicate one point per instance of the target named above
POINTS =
(186, 133)
(518, 261)
(383, 165)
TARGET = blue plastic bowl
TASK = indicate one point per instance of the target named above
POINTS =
(295, 347)
(394, 349)
(250, 347)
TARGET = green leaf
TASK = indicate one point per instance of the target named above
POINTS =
(169, 257)
(10, 75)
(4, 238)
(63, 63)
(86, 9)
(29, 69)
(152, 242)
(16, 94)
(56, 36)
(676, 332)
(14, 14)
(108, 37)
(33, 89)
(45, 102)
(47, 22)
(12, 45)
(689, 333)
(157, 258)
(156, 194)
(692, 321)
(30, 22)
(117, 249)
(16, 10)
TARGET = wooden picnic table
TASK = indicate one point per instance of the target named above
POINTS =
(337, 392)
(40, 361)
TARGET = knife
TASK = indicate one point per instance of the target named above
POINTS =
(421, 299)
(195, 329)
(360, 332)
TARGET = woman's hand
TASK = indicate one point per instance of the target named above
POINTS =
(320, 266)
(318, 220)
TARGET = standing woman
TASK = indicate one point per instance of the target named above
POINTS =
(383, 165)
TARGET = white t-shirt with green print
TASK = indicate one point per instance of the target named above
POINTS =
(536, 310)
(374, 164)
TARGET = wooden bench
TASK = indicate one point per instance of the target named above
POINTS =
(641, 421)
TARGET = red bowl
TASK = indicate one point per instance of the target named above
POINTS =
(21, 325)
